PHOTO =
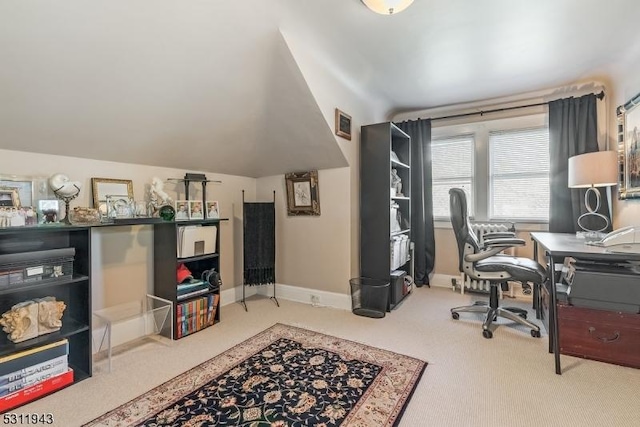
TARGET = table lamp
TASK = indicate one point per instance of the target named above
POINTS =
(592, 170)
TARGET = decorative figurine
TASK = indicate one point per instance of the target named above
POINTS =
(396, 182)
(82, 215)
(49, 315)
(21, 322)
(157, 196)
(65, 190)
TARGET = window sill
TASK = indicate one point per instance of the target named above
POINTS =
(520, 226)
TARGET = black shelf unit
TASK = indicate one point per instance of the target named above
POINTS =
(202, 179)
(166, 261)
(378, 141)
(75, 293)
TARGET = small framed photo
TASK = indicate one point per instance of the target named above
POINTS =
(49, 210)
(195, 210)
(343, 124)
(11, 216)
(213, 210)
(119, 206)
(23, 187)
(303, 196)
(182, 210)
(9, 197)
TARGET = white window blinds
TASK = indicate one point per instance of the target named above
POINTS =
(519, 169)
(452, 166)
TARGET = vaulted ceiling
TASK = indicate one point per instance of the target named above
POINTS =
(212, 85)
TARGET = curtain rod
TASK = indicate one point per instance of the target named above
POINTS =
(632, 102)
(455, 116)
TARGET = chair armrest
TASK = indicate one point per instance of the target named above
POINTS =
(504, 243)
(483, 254)
(498, 235)
(494, 247)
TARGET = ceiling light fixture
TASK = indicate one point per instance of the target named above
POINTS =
(387, 7)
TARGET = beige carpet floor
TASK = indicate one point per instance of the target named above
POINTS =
(470, 381)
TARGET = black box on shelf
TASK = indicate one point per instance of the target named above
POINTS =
(398, 288)
(36, 267)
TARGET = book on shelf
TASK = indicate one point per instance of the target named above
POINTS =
(212, 308)
(33, 369)
(191, 284)
(193, 293)
(24, 359)
(35, 378)
(197, 314)
(35, 391)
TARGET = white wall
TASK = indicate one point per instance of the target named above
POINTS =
(323, 252)
(313, 252)
(122, 256)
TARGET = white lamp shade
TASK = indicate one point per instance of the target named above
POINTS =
(598, 169)
(387, 7)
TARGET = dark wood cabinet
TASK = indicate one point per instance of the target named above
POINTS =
(166, 261)
(607, 336)
(385, 214)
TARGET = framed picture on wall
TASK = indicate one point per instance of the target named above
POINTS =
(343, 124)
(629, 149)
(303, 196)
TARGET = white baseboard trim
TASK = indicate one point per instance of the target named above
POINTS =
(442, 280)
(291, 293)
(314, 297)
(233, 295)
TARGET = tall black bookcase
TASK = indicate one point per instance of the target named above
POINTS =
(384, 148)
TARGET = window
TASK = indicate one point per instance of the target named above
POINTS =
(519, 174)
(502, 163)
(452, 166)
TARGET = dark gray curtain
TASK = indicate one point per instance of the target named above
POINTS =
(572, 131)
(421, 198)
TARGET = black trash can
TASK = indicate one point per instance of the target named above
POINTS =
(369, 297)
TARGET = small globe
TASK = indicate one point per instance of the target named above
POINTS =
(167, 212)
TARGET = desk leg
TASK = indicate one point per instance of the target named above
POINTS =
(553, 315)
(536, 287)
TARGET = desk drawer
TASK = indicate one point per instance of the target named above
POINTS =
(600, 335)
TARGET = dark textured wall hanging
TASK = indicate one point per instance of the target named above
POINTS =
(259, 238)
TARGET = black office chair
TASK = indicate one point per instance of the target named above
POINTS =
(486, 263)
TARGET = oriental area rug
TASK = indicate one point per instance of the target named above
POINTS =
(284, 376)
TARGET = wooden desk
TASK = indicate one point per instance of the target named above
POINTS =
(557, 246)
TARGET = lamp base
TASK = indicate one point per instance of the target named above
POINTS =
(592, 213)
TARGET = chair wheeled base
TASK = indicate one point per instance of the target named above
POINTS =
(493, 311)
